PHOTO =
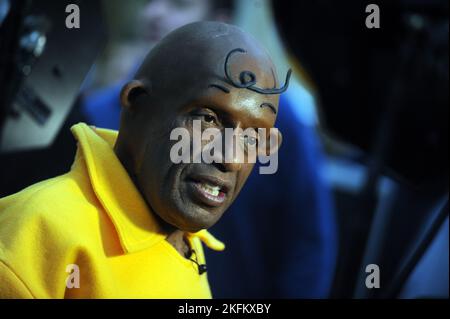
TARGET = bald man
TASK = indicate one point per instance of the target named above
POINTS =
(126, 221)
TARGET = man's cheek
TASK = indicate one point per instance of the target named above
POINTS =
(247, 169)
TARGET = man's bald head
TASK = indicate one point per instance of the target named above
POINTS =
(194, 56)
(210, 72)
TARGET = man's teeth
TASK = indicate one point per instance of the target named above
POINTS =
(210, 189)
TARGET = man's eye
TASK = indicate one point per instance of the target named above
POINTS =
(209, 118)
(205, 117)
(250, 140)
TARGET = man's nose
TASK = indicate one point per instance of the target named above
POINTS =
(227, 163)
(228, 167)
(229, 159)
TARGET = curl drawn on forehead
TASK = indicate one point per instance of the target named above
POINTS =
(248, 79)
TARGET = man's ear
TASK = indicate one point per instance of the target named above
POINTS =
(131, 91)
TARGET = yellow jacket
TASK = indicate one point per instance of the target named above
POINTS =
(91, 229)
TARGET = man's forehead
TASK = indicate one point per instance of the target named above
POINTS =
(197, 52)
(218, 88)
(254, 109)
(239, 67)
(195, 62)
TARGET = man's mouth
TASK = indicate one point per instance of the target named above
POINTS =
(208, 190)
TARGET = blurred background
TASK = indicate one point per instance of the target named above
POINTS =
(363, 173)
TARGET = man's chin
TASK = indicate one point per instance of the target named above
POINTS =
(193, 215)
(195, 221)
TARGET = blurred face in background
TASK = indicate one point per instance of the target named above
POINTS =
(156, 18)
(159, 17)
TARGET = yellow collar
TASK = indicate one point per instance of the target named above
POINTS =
(135, 224)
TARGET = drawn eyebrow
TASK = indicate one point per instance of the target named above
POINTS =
(220, 87)
(269, 105)
(247, 79)
(226, 90)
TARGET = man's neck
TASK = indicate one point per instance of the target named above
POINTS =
(178, 241)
